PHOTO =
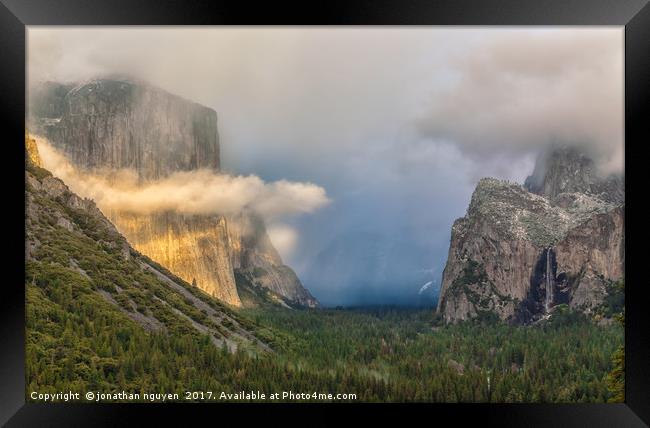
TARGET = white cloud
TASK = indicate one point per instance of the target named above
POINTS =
(192, 192)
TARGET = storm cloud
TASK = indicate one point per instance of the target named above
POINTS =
(521, 94)
(396, 123)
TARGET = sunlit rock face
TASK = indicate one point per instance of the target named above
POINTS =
(31, 151)
(208, 250)
(521, 250)
(111, 124)
(196, 248)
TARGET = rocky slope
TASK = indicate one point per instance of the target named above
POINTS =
(70, 244)
(256, 260)
(117, 123)
(522, 250)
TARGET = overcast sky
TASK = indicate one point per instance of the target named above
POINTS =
(396, 124)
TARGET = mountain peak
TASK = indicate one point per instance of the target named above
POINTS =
(565, 169)
(520, 250)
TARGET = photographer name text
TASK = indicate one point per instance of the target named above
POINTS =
(157, 397)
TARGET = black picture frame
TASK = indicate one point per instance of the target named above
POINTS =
(15, 15)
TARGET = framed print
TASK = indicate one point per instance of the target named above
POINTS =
(371, 207)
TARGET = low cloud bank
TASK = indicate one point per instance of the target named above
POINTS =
(191, 192)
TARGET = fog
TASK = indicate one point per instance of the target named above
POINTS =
(383, 131)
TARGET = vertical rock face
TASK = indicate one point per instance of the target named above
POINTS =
(196, 248)
(521, 250)
(120, 124)
(255, 259)
(591, 253)
(115, 124)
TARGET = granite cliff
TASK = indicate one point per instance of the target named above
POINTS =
(520, 251)
(118, 124)
(113, 124)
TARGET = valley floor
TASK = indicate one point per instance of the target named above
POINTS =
(379, 354)
(564, 360)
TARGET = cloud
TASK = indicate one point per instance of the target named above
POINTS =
(284, 239)
(319, 94)
(193, 192)
(520, 93)
(307, 91)
(397, 123)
